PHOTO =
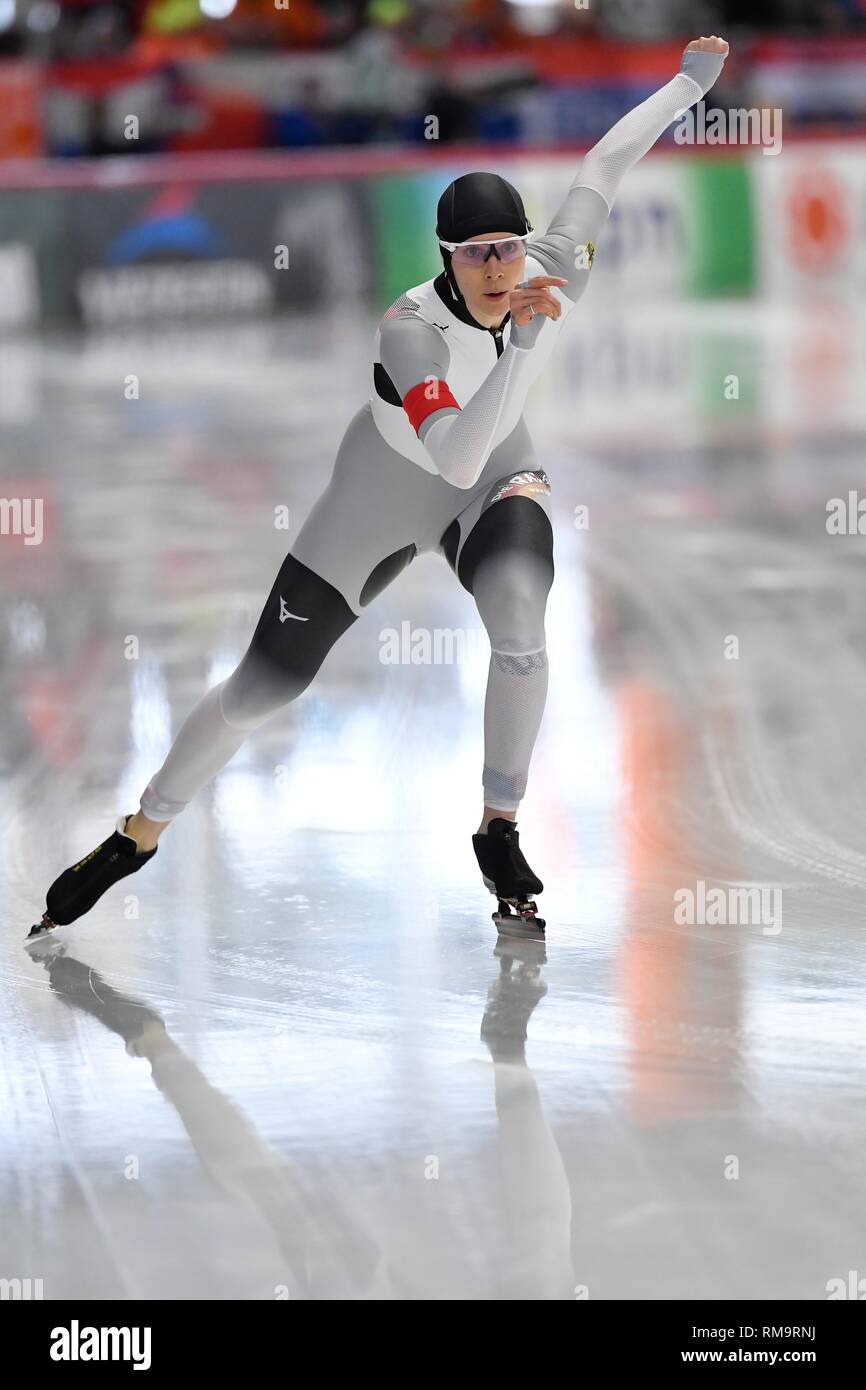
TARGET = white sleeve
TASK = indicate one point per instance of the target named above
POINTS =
(458, 441)
(631, 138)
(568, 246)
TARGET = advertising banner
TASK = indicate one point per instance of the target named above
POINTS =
(681, 226)
(112, 252)
(214, 250)
(812, 212)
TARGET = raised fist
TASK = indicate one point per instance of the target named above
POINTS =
(713, 44)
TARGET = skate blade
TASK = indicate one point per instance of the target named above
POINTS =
(520, 928)
(41, 933)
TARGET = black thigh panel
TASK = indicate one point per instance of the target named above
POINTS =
(385, 571)
(450, 542)
(515, 523)
(300, 622)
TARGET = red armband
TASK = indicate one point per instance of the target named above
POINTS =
(424, 399)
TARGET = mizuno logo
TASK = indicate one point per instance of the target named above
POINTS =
(284, 613)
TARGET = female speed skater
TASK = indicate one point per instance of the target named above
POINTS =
(439, 459)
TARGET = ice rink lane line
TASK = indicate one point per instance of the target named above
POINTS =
(753, 834)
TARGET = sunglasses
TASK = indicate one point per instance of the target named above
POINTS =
(505, 249)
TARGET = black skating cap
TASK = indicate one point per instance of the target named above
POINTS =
(477, 203)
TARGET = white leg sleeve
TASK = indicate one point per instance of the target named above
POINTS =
(511, 592)
(205, 743)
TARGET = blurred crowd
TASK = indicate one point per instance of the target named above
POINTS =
(103, 28)
(234, 74)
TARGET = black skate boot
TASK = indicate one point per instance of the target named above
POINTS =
(510, 879)
(78, 888)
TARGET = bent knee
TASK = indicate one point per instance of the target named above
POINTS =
(510, 590)
(514, 529)
(302, 618)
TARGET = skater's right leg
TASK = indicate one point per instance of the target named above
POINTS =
(300, 622)
(359, 536)
(276, 667)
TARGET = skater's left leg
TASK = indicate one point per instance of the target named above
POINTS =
(506, 561)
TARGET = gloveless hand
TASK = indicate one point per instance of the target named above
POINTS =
(535, 298)
(713, 44)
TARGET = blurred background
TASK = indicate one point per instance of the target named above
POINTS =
(205, 207)
(276, 74)
(278, 119)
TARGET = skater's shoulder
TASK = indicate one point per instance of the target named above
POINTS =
(417, 303)
(408, 331)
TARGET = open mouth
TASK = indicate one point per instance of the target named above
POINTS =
(495, 294)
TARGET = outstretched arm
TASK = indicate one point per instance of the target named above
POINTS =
(630, 139)
(582, 215)
(459, 441)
